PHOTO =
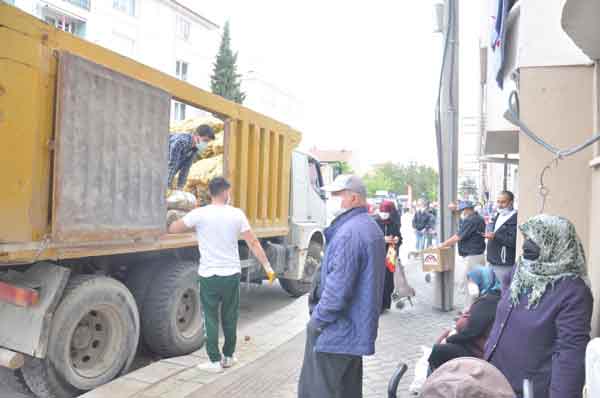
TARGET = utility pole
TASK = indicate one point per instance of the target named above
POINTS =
(448, 145)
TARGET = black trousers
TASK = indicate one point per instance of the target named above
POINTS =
(329, 375)
(388, 289)
(442, 353)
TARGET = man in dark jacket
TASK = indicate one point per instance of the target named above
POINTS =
(183, 149)
(421, 223)
(471, 245)
(346, 306)
(502, 236)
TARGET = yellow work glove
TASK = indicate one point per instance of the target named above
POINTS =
(270, 273)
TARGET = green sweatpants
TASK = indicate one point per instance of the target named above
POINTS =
(223, 290)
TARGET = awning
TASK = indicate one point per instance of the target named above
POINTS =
(580, 21)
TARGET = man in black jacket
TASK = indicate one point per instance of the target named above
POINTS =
(502, 236)
(421, 223)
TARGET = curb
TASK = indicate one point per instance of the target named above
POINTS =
(178, 376)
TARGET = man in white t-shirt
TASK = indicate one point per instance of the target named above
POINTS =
(218, 228)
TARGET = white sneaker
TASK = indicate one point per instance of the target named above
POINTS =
(228, 362)
(211, 367)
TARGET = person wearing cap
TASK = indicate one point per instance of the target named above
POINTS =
(471, 245)
(183, 149)
(348, 298)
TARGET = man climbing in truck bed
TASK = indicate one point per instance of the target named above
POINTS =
(183, 149)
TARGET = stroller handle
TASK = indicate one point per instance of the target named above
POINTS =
(395, 380)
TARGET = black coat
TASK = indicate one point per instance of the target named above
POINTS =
(502, 249)
(422, 220)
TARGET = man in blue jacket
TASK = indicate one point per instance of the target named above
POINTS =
(347, 303)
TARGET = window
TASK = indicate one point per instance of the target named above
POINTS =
(67, 24)
(9, 1)
(80, 3)
(179, 111)
(181, 70)
(126, 6)
(183, 27)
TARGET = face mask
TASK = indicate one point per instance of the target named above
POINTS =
(504, 212)
(531, 251)
(201, 146)
(473, 289)
(336, 205)
(384, 216)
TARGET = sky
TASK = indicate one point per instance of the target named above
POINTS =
(364, 72)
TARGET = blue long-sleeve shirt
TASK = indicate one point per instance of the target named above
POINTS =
(182, 152)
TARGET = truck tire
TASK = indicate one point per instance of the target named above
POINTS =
(13, 379)
(172, 320)
(93, 339)
(297, 288)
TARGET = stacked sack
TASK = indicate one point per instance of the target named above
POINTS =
(178, 204)
(210, 162)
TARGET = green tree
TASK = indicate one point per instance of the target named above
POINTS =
(397, 177)
(225, 80)
(345, 168)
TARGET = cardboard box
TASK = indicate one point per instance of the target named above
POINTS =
(438, 260)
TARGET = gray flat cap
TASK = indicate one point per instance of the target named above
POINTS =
(348, 182)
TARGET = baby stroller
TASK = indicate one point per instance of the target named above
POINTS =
(403, 292)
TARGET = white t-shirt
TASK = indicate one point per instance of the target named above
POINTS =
(218, 228)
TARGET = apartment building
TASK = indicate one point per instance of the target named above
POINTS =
(164, 34)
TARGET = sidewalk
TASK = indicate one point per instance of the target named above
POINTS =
(178, 377)
(401, 334)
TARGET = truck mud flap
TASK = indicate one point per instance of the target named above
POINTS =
(25, 329)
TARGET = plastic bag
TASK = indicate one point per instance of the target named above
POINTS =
(181, 200)
(421, 369)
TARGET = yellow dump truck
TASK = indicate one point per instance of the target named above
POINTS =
(86, 265)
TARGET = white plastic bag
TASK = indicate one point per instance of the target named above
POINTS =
(181, 200)
(421, 369)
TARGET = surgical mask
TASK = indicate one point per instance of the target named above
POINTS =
(531, 251)
(384, 216)
(504, 212)
(201, 146)
(336, 205)
(473, 289)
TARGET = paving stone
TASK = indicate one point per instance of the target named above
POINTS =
(123, 388)
(156, 372)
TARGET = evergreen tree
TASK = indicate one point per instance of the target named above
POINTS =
(225, 80)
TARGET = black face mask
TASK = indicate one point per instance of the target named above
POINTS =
(531, 251)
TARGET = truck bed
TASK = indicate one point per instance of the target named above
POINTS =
(83, 162)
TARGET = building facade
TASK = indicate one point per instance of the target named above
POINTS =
(550, 58)
(163, 34)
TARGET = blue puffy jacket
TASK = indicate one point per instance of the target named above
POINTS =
(351, 291)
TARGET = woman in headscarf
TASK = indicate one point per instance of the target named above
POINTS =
(543, 320)
(389, 222)
(474, 325)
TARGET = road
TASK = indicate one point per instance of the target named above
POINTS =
(255, 302)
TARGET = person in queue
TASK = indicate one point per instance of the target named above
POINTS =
(473, 327)
(543, 319)
(502, 236)
(345, 309)
(471, 245)
(388, 220)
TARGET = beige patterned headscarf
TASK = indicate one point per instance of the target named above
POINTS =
(561, 256)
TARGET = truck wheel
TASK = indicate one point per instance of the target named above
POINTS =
(13, 379)
(93, 339)
(172, 320)
(297, 288)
